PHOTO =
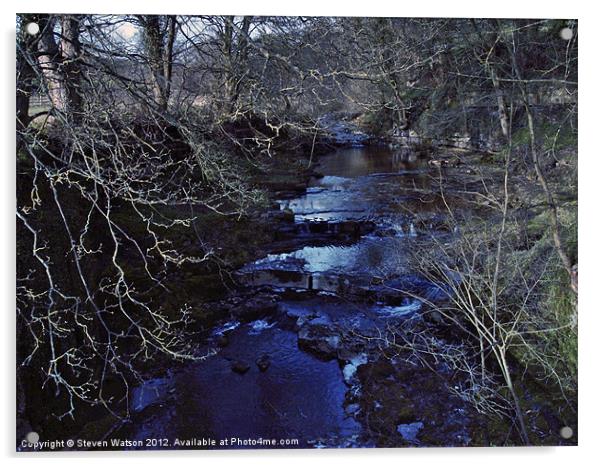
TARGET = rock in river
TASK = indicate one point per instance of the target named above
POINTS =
(222, 340)
(256, 307)
(263, 362)
(350, 369)
(320, 336)
(410, 431)
(240, 367)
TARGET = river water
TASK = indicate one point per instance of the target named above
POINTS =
(302, 394)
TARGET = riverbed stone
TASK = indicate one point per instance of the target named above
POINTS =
(222, 340)
(352, 409)
(350, 369)
(284, 215)
(256, 307)
(320, 336)
(263, 362)
(410, 431)
(240, 367)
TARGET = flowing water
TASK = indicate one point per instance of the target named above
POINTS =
(301, 396)
(297, 397)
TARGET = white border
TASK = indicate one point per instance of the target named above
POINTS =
(590, 81)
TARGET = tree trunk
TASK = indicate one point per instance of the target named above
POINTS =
(235, 50)
(154, 50)
(229, 65)
(501, 104)
(159, 43)
(49, 59)
(391, 78)
(25, 75)
(60, 66)
(168, 56)
(71, 53)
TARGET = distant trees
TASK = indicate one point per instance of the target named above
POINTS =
(410, 70)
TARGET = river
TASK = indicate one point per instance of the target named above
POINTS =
(291, 374)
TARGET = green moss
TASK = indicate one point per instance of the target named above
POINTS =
(550, 136)
(551, 353)
(521, 137)
(557, 137)
(493, 433)
(562, 306)
(537, 226)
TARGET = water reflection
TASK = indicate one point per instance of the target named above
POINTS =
(365, 182)
(371, 255)
(298, 397)
(361, 161)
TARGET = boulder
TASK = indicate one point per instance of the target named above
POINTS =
(284, 215)
(352, 409)
(256, 307)
(320, 336)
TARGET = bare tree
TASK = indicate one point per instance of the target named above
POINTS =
(159, 37)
